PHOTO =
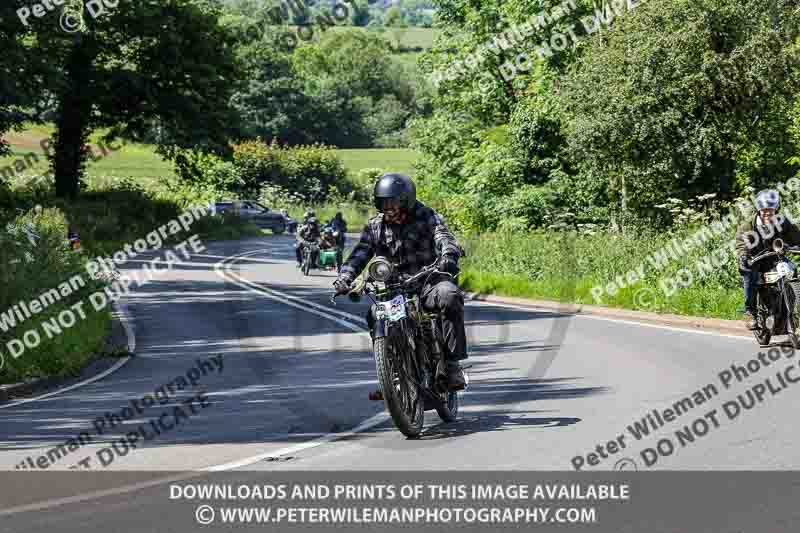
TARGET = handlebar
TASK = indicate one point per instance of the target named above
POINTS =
(355, 295)
(767, 254)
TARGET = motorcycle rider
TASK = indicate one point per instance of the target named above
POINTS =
(339, 224)
(308, 232)
(291, 224)
(755, 236)
(327, 241)
(413, 236)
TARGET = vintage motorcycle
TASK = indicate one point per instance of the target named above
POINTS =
(776, 295)
(310, 256)
(408, 346)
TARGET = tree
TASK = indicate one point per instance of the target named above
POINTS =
(700, 105)
(21, 73)
(273, 103)
(169, 62)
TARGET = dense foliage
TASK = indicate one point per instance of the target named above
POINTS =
(669, 99)
(347, 89)
(141, 64)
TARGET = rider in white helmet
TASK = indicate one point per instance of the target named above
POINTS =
(756, 235)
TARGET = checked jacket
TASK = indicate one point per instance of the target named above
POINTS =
(411, 246)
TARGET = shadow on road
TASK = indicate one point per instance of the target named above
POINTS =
(289, 374)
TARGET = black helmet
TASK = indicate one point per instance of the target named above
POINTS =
(397, 186)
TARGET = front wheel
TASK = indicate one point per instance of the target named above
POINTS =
(762, 336)
(306, 264)
(448, 412)
(401, 396)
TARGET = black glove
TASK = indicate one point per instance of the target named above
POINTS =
(342, 285)
(448, 264)
(743, 266)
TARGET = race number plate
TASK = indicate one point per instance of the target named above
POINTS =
(395, 309)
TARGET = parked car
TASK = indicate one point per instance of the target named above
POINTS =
(262, 216)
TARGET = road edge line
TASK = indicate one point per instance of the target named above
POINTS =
(126, 320)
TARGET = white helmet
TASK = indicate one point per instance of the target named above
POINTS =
(768, 199)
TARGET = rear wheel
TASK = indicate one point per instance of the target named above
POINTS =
(400, 394)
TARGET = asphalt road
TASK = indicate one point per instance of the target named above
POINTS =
(292, 394)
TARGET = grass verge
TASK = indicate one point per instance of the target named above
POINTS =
(595, 269)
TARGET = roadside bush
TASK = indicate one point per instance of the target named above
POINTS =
(565, 265)
(366, 179)
(312, 172)
(34, 258)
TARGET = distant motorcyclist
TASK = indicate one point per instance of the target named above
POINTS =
(339, 224)
(755, 236)
(291, 224)
(327, 240)
(413, 236)
(309, 232)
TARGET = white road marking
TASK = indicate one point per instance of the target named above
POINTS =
(222, 269)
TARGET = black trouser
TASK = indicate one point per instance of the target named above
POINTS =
(444, 297)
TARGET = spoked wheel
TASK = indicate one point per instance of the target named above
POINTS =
(792, 320)
(448, 412)
(401, 396)
(307, 264)
(795, 340)
(762, 336)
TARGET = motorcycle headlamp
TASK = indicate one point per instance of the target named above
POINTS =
(381, 270)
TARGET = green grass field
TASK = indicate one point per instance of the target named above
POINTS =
(388, 159)
(135, 161)
(141, 163)
(404, 37)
